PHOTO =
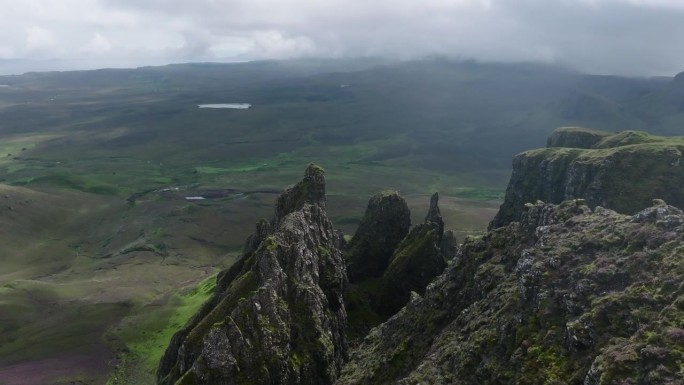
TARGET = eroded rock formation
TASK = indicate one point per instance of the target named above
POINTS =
(568, 295)
(277, 316)
(623, 172)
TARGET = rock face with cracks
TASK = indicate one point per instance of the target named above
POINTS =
(277, 316)
(385, 223)
(409, 264)
(622, 171)
(568, 295)
(417, 260)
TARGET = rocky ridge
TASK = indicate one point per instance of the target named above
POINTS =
(568, 295)
(385, 223)
(622, 171)
(417, 260)
(408, 261)
(277, 316)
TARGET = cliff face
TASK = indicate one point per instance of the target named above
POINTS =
(277, 316)
(417, 260)
(568, 295)
(386, 222)
(390, 261)
(623, 172)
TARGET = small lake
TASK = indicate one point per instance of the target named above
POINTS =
(236, 106)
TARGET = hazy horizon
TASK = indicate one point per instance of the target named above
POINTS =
(617, 37)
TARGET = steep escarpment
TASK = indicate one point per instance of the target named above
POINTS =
(623, 172)
(567, 295)
(277, 316)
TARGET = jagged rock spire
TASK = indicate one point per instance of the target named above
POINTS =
(434, 216)
(418, 258)
(277, 315)
(311, 190)
(385, 223)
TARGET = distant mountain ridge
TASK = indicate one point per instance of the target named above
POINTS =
(439, 114)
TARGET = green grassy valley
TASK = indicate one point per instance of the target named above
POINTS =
(102, 254)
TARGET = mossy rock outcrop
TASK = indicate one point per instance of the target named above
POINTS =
(385, 223)
(567, 295)
(416, 262)
(277, 316)
(409, 264)
(622, 171)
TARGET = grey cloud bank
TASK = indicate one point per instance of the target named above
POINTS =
(626, 37)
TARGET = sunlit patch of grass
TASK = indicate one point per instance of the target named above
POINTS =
(148, 336)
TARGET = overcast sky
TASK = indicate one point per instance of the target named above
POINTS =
(633, 37)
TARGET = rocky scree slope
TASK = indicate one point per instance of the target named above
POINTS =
(622, 171)
(277, 316)
(568, 295)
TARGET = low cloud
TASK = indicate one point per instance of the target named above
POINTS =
(98, 45)
(40, 41)
(634, 37)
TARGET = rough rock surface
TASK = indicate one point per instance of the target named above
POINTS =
(277, 316)
(568, 295)
(434, 216)
(408, 264)
(417, 260)
(623, 172)
(386, 222)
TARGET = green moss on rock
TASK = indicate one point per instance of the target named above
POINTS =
(277, 315)
(623, 172)
(545, 301)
